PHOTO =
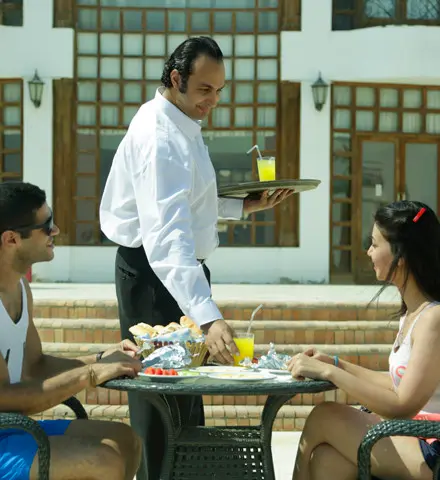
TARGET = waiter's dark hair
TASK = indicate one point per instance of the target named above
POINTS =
(19, 202)
(184, 56)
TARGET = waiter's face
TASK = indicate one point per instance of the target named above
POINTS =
(203, 89)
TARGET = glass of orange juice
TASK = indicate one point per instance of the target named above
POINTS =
(245, 345)
(266, 168)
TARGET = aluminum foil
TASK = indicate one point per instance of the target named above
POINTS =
(170, 356)
(271, 361)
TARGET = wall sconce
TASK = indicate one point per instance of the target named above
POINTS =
(36, 86)
(320, 91)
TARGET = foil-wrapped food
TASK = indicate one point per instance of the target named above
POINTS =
(271, 361)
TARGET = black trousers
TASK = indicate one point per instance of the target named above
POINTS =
(142, 297)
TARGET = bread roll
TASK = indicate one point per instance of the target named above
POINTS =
(142, 329)
(174, 326)
(188, 323)
(159, 329)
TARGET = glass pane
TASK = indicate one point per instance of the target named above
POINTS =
(433, 123)
(132, 93)
(228, 68)
(133, 44)
(86, 140)
(433, 99)
(389, 97)
(365, 97)
(133, 68)
(223, 22)
(225, 95)
(341, 261)
(87, 67)
(84, 233)
(421, 173)
(85, 210)
(110, 68)
(381, 9)
(12, 140)
(341, 165)
(265, 235)
(268, 3)
(129, 113)
(110, 92)
(110, 20)
(422, 10)
(86, 91)
(155, 21)
(267, 92)
(244, 117)
(174, 41)
(11, 92)
(342, 119)
(155, 45)
(244, 93)
(109, 116)
(341, 235)
(12, 163)
(341, 212)
(151, 90)
(341, 142)
(85, 186)
(226, 3)
(343, 22)
(412, 98)
(244, 69)
(267, 69)
(388, 122)
(267, 45)
(221, 117)
(378, 188)
(85, 163)
(176, 21)
(267, 117)
(87, 43)
(342, 96)
(110, 44)
(245, 45)
(108, 146)
(412, 122)
(200, 22)
(344, 4)
(341, 188)
(12, 116)
(153, 68)
(268, 22)
(245, 22)
(364, 121)
(87, 19)
(225, 43)
(133, 20)
(86, 115)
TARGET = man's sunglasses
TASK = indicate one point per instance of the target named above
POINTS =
(46, 227)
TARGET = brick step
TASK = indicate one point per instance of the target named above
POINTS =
(266, 331)
(278, 310)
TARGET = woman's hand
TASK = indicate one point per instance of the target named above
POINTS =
(309, 366)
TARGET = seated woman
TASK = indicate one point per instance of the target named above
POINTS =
(405, 251)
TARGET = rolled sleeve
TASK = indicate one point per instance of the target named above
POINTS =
(230, 208)
(162, 188)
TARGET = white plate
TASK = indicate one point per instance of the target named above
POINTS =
(242, 376)
(220, 369)
(167, 378)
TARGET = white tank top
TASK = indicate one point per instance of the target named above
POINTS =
(398, 361)
(13, 337)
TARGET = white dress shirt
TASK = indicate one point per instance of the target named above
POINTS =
(162, 193)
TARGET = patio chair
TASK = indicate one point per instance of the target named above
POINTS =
(393, 428)
(23, 422)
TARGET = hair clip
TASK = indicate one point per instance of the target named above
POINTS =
(419, 214)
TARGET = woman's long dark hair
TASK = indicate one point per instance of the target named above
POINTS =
(417, 243)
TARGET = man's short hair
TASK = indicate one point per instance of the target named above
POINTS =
(19, 201)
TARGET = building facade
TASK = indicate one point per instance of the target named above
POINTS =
(375, 140)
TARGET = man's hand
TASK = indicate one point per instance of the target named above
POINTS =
(220, 342)
(266, 201)
(126, 346)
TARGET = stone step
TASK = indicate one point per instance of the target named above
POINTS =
(266, 331)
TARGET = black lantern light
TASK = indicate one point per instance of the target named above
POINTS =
(320, 91)
(36, 86)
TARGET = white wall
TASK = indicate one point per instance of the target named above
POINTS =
(380, 54)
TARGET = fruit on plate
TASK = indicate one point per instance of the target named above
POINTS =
(160, 371)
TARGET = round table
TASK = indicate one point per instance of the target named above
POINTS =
(207, 453)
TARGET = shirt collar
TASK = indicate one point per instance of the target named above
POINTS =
(190, 127)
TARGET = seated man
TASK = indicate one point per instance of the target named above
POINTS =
(32, 381)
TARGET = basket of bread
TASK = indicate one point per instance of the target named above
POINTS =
(150, 338)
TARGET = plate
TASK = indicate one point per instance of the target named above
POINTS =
(242, 377)
(219, 369)
(168, 378)
(242, 190)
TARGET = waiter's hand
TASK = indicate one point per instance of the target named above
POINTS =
(266, 201)
(219, 341)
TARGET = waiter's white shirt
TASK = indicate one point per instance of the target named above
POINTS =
(162, 193)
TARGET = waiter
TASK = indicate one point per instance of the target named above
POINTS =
(160, 205)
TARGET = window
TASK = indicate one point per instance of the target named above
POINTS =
(121, 48)
(352, 14)
(11, 130)
(11, 13)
